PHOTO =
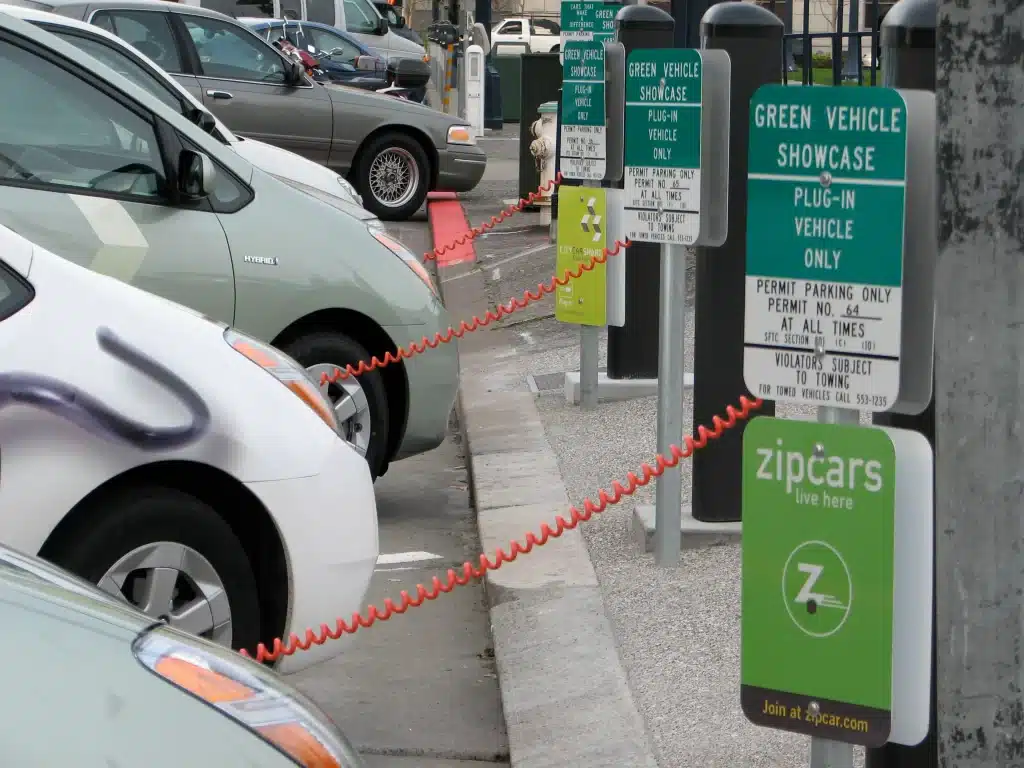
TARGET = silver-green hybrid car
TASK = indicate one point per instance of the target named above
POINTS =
(105, 174)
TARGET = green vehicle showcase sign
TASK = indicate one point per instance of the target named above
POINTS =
(825, 229)
(584, 143)
(663, 145)
(817, 583)
(583, 300)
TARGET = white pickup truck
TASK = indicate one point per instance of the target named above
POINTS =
(537, 35)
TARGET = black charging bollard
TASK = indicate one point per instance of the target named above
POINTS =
(752, 36)
(633, 348)
(908, 61)
(688, 15)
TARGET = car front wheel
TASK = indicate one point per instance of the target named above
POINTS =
(360, 402)
(393, 176)
(172, 557)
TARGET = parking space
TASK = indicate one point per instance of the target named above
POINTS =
(420, 689)
(421, 685)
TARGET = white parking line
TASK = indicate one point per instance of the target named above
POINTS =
(406, 557)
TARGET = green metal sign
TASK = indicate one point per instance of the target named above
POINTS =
(817, 583)
(583, 141)
(582, 212)
(587, 20)
(825, 234)
(663, 145)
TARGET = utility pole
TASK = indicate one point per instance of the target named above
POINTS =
(979, 348)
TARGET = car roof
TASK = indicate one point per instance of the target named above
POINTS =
(56, 19)
(162, 5)
(254, 22)
(40, 37)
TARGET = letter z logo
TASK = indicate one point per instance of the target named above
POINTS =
(813, 574)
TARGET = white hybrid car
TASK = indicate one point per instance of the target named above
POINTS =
(178, 464)
(127, 60)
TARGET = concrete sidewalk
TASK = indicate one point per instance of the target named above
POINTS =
(603, 659)
(564, 692)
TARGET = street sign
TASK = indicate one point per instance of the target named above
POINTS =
(663, 145)
(819, 520)
(583, 141)
(582, 213)
(584, 20)
(825, 242)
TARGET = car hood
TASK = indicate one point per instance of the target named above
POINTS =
(417, 113)
(343, 205)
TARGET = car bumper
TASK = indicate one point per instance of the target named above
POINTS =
(460, 170)
(328, 523)
(433, 384)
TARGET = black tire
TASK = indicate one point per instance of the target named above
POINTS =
(120, 522)
(337, 350)
(413, 152)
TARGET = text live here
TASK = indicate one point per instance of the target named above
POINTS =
(825, 238)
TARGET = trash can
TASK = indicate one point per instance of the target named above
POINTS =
(493, 118)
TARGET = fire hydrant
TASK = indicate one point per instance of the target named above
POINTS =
(545, 132)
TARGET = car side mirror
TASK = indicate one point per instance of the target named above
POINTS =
(196, 175)
(202, 119)
(293, 71)
(382, 26)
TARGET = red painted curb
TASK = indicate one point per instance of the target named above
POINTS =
(432, 196)
(448, 223)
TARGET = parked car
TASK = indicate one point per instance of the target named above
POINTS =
(396, 21)
(357, 17)
(126, 690)
(195, 463)
(90, 168)
(394, 151)
(130, 62)
(541, 35)
(343, 58)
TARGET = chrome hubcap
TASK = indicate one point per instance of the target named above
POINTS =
(350, 405)
(170, 581)
(394, 177)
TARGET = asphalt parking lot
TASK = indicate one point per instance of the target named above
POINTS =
(421, 688)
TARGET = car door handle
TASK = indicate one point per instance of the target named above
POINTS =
(219, 95)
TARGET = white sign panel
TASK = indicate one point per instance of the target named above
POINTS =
(823, 343)
(662, 204)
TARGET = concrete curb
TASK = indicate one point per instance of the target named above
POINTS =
(564, 690)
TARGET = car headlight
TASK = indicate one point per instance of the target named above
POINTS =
(347, 186)
(250, 694)
(287, 371)
(404, 254)
(460, 134)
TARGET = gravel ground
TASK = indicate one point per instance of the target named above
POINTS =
(677, 629)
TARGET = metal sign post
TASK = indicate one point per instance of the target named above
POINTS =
(676, 169)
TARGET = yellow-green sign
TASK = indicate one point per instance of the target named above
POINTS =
(581, 238)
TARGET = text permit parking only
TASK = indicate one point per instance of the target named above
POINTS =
(583, 141)
(825, 238)
(662, 185)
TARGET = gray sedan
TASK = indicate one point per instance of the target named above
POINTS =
(394, 151)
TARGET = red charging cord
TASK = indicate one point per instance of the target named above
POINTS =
(469, 572)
